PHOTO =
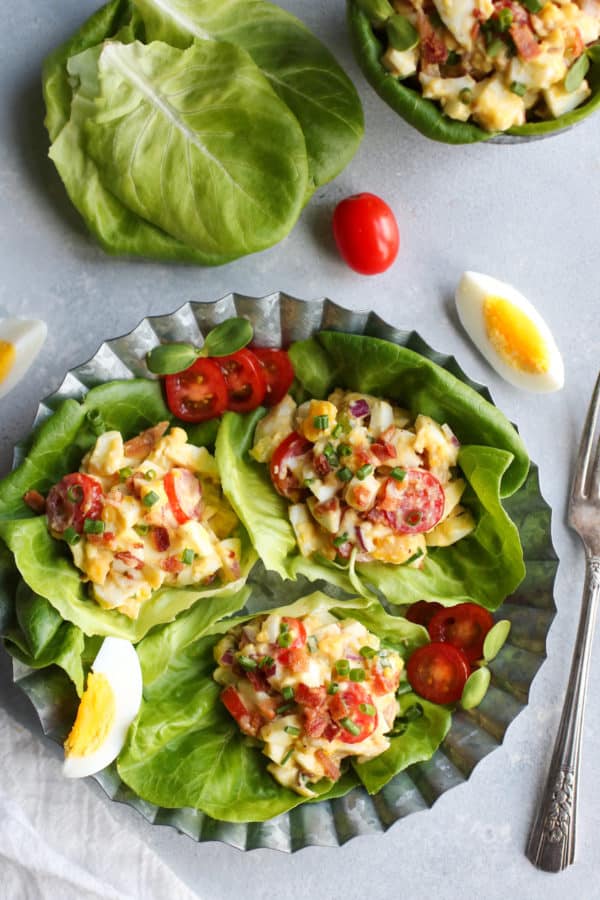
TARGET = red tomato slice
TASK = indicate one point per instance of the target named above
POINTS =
(245, 380)
(198, 393)
(278, 372)
(74, 499)
(344, 708)
(438, 672)
(414, 504)
(184, 494)
(464, 626)
(366, 233)
(422, 612)
(285, 482)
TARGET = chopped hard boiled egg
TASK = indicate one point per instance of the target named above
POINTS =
(109, 705)
(20, 342)
(508, 330)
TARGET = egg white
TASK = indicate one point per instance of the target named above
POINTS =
(471, 293)
(120, 665)
(26, 336)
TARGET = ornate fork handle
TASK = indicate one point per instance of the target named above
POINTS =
(551, 843)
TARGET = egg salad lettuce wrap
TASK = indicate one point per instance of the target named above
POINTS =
(185, 749)
(484, 567)
(46, 564)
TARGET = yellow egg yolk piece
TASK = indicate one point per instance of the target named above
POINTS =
(94, 719)
(7, 358)
(514, 336)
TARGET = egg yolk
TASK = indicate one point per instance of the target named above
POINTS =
(94, 719)
(514, 336)
(7, 358)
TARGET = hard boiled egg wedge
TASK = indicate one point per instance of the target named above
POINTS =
(20, 342)
(509, 332)
(109, 705)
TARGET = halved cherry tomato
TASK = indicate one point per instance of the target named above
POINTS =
(344, 708)
(464, 626)
(413, 505)
(183, 493)
(278, 372)
(422, 612)
(245, 380)
(74, 499)
(198, 393)
(366, 233)
(284, 481)
(438, 672)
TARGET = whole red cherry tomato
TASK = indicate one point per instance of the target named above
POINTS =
(366, 233)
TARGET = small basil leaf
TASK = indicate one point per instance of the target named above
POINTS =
(577, 73)
(475, 688)
(228, 337)
(401, 34)
(167, 359)
(495, 639)
(378, 11)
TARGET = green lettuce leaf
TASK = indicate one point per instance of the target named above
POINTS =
(185, 750)
(484, 567)
(46, 564)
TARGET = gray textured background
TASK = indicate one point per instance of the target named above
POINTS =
(527, 214)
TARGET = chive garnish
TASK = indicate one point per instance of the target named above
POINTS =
(364, 471)
(285, 707)
(342, 666)
(495, 47)
(188, 556)
(71, 536)
(350, 726)
(367, 652)
(151, 498)
(142, 528)
(93, 526)
(357, 675)
(288, 693)
(246, 662)
(75, 493)
(344, 474)
(312, 643)
(267, 661)
(125, 473)
(291, 729)
(340, 539)
(330, 455)
(285, 758)
(505, 18)
(150, 474)
(518, 88)
(398, 474)
(285, 639)
(337, 431)
(333, 687)
(344, 450)
(321, 422)
(367, 708)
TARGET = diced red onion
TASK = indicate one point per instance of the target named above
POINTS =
(359, 408)
(361, 539)
(227, 658)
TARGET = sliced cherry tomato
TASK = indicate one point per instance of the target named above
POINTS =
(184, 494)
(74, 499)
(422, 612)
(283, 479)
(355, 724)
(414, 504)
(438, 672)
(366, 233)
(464, 626)
(198, 393)
(245, 380)
(278, 372)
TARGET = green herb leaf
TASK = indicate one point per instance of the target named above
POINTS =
(518, 88)
(495, 639)
(168, 359)
(534, 6)
(475, 688)
(401, 34)
(228, 337)
(577, 73)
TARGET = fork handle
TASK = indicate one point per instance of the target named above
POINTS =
(551, 844)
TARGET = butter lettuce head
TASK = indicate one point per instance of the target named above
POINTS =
(45, 564)
(184, 749)
(484, 567)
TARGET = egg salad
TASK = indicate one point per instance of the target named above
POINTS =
(363, 479)
(501, 63)
(316, 690)
(144, 514)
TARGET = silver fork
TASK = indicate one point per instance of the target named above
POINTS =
(551, 844)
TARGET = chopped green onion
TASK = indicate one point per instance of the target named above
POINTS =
(75, 493)
(312, 643)
(285, 707)
(397, 473)
(285, 639)
(333, 687)
(93, 526)
(364, 471)
(436, 19)
(330, 455)
(534, 6)
(188, 556)
(308, 481)
(367, 652)
(465, 96)
(518, 88)
(71, 536)
(340, 539)
(367, 708)
(291, 729)
(350, 726)
(495, 47)
(284, 626)
(357, 675)
(415, 556)
(344, 450)
(344, 474)
(342, 666)
(288, 693)
(150, 474)
(125, 473)
(151, 498)
(246, 662)
(267, 661)
(321, 422)
(285, 758)
(142, 528)
(505, 19)
(337, 431)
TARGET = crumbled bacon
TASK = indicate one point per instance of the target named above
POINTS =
(433, 48)
(160, 538)
(313, 697)
(172, 564)
(331, 769)
(35, 501)
(129, 559)
(143, 444)
(322, 465)
(315, 722)
(294, 658)
(525, 42)
(383, 450)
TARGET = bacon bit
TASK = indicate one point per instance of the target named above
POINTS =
(143, 444)
(331, 732)
(109, 536)
(337, 707)
(315, 722)
(433, 48)
(525, 42)
(383, 450)
(294, 658)
(251, 723)
(129, 559)
(331, 769)
(313, 697)
(172, 564)
(160, 538)
(35, 501)
(322, 466)
(363, 456)
(361, 495)
(267, 707)
(257, 680)
(345, 550)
